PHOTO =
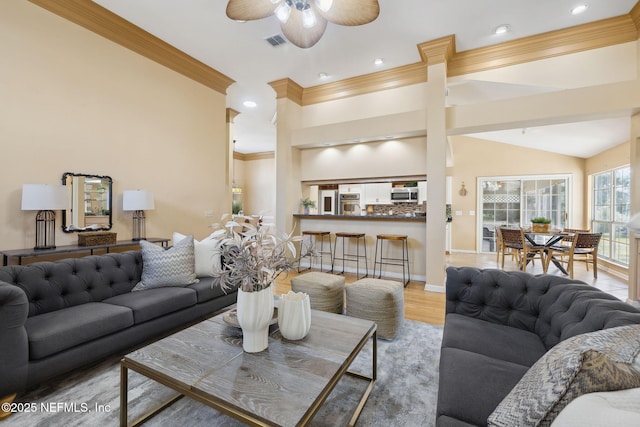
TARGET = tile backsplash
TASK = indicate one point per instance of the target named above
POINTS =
(394, 209)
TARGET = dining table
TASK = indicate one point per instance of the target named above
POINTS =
(545, 240)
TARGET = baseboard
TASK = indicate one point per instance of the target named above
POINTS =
(434, 288)
(386, 275)
(463, 251)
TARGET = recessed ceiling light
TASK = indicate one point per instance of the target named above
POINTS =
(378, 61)
(249, 104)
(579, 9)
(323, 76)
(356, 140)
(501, 29)
(388, 137)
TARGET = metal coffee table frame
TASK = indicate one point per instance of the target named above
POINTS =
(133, 362)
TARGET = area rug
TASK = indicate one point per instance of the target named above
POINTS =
(405, 392)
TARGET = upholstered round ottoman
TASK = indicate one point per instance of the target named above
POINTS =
(326, 291)
(381, 301)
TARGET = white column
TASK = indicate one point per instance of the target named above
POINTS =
(436, 188)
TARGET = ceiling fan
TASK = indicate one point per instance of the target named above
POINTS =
(303, 22)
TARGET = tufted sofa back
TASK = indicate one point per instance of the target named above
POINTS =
(553, 307)
(51, 286)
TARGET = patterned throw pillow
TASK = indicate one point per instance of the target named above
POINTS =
(207, 254)
(167, 267)
(592, 362)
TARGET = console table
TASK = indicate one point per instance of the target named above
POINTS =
(23, 253)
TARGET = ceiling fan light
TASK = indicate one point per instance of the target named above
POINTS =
(324, 5)
(282, 12)
(308, 18)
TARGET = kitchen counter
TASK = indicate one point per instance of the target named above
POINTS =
(372, 225)
(363, 217)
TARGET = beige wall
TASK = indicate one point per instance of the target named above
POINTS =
(475, 158)
(75, 102)
(371, 160)
(259, 195)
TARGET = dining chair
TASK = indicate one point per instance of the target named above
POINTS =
(530, 252)
(584, 248)
(511, 243)
(498, 244)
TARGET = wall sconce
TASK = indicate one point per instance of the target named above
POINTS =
(45, 199)
(138, 201)
(463, 190)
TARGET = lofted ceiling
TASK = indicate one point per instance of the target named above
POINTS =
(201, 29)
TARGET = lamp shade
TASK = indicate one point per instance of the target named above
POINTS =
(137, 200)
(44, 197)
(634, 222)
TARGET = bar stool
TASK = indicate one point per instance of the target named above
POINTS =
(352, 257)
(404, 261)
(314, 236)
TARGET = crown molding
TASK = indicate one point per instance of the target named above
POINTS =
(101, 21)
(635, 16)
(231, 114)
(603, 33)
(594, 35)
(438, 51)
(287, 88)
(367, 83)
(254, 156)
(607, 32)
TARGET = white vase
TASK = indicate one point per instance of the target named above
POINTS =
(294, 315)
(255, 312)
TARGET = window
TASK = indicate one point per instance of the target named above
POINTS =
(513, 201)
(610, 213)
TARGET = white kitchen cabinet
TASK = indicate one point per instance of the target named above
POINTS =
(378, 193)
(422, 191)
(349, 188)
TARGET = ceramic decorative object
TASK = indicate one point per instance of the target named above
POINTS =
(294, 315)
(255, 311)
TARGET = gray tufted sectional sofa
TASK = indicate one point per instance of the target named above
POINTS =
(57, 316)
(498, 324)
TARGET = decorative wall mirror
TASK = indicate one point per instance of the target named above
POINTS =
(90, 206)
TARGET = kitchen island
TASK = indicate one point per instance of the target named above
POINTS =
(414, 227)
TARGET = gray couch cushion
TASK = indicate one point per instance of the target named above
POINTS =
(567, 310)
(208, 288)
(493, 340)
(155, 302)
(59, 330)
(472, 385)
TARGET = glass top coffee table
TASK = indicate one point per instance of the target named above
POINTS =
(284, 385)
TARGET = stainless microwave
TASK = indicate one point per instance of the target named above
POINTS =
(404, 194)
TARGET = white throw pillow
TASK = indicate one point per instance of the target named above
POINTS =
(206, 253)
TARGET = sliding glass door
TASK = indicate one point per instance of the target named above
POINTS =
(512, 202)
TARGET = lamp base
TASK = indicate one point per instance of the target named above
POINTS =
(41, 248)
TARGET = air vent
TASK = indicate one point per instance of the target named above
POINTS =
(276, 40)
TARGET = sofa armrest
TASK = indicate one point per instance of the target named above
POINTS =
(14, 351)
(504, 297)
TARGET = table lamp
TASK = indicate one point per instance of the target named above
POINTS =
(138, 201)
(45, 199)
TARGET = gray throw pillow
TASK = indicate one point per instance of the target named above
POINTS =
(167, 267)
(592, 362)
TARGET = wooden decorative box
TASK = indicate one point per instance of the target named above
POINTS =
(96, 238)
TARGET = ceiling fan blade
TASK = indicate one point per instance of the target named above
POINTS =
(351, 12)
(295, 31)
(249, 10)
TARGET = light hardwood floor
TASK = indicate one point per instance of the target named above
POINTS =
(428, 307)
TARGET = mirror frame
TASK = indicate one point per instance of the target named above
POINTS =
(110, 199)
